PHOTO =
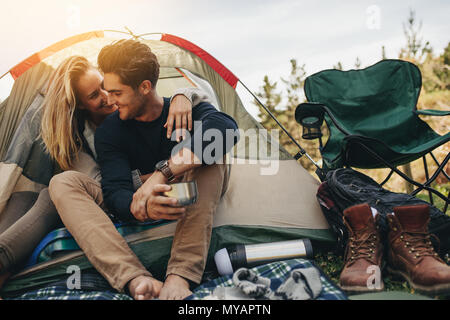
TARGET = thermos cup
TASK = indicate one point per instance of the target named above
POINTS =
(185, 192)
(230, 259)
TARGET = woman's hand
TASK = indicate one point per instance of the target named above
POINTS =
(180, 111)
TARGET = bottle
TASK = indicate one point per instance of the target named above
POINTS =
(235, 257)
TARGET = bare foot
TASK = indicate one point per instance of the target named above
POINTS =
(144, 288)
(175, 288)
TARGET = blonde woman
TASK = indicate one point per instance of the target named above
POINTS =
(74, 105)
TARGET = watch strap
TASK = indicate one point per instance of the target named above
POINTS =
(165, 170)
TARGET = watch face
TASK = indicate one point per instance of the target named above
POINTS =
(160, 164)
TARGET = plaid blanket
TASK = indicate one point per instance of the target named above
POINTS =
(277, 272)
(95, 287)
(62, 293)
(92, 286)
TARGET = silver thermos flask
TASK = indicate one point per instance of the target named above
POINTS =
(230, 259)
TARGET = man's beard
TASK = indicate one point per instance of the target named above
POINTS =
(140, 101)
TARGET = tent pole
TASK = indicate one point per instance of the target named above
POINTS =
(4, 74)
(302, 151)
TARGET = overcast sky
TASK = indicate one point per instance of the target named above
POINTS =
(251, 38)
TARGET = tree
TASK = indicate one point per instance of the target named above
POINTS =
(436, 72)
(383, 53)
(338, 66)
(282, 101)
(271, 99)
(416, 49)
(290, 96)
(357, 63)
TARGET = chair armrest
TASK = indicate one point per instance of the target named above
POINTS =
(430, 112)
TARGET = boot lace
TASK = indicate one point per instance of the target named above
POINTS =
(362, 248)
(419, 243)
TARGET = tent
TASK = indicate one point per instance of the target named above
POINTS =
(270, 197)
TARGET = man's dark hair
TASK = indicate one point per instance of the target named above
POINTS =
(131, 60)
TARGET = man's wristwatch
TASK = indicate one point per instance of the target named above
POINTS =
(163, 167)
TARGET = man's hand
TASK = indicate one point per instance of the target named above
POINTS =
(144, 177)
(180, 111)
(150, 203)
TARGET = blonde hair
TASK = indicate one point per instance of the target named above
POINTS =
(59, 129)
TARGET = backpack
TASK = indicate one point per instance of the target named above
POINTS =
(346, 187)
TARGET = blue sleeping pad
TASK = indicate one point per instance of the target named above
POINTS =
(60, 240)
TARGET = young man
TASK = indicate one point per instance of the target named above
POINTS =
(134, 138)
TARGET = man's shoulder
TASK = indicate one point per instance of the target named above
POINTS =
(112, 126)
(203, 109)
(206, 104)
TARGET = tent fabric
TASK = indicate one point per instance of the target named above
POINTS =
(270, 195)
(389, 295)
(237, 207)
(241, 217)
(26, 167)
(19, 69)
(210, 60)
(22, 95)
(170, 55)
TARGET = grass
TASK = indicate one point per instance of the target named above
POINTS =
(437, 201)
(332, 264)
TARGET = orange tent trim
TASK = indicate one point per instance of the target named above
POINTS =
(34, 59)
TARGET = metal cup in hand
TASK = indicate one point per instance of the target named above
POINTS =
(185, 192)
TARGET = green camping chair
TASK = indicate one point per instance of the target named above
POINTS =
(372, 119)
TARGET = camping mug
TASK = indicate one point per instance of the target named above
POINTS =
(185, 192)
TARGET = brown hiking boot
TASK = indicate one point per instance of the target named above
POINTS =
(411, 253)
(363, 254)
